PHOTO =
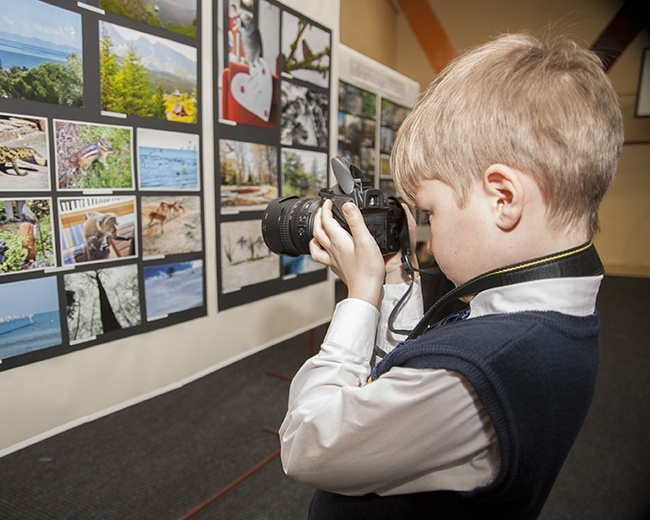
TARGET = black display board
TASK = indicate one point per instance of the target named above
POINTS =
(101, 197)
(272, 95)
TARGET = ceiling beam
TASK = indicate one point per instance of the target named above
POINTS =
(429, 32)
(630, 20)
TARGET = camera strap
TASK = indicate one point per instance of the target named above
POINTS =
(576, 262)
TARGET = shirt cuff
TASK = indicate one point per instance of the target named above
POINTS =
(353, 326)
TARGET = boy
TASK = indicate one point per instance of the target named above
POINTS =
(509, 152)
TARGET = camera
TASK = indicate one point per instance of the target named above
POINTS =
(288, 222)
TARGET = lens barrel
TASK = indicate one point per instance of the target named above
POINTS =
(287, 225)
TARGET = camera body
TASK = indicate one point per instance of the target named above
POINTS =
(288, 222)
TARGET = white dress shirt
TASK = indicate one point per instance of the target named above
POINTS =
(411, 430)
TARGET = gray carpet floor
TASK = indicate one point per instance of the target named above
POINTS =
(166, 457)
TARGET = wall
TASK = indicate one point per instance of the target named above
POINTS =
(624, 241)
(45, 398)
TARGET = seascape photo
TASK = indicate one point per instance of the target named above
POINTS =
(245, 259)
(26, 235)
(168, 160)
(249, 175)
(102, 301)
(171, 288)
(171, 225)
(147, 76)
(96, 229)
(91, 156)
(41, 57)
(305, 50)
(304, 173)
(24, 153)
(305, 117)
(32, 321)
(178, 16)
(248, 71)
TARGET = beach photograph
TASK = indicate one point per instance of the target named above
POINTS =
(29, 317)
(41, 56)
(168, 160)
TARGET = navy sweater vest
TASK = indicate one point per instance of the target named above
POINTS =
(535, 374)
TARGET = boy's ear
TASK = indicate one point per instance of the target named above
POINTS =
(506, 193)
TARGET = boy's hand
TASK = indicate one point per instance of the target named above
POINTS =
(354, 257)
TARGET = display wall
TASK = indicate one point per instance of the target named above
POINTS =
(272, 139)
(101, 208)
(45, 392)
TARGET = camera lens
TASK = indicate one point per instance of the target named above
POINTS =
(287, 225)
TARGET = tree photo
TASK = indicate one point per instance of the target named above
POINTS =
(147, 76)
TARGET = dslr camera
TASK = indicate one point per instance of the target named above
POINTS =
(288, 222)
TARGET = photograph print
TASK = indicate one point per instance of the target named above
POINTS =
(24, 153)
(147, 76)
(305, 117)
(305, 50)
(168, 160)
(92, 156)
(101, 301)
(245, 259)
(29, 317)
(26, 235)
(171, 225)
(304, 172)
(41, 57)
(249, 76)
(172, 288)
(94, 229)
(178, 16)
(357, 126)
(249, 175)
(392, 116)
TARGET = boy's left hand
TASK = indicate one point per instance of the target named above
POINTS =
(354, 257)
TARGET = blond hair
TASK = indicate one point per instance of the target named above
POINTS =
(546, 108)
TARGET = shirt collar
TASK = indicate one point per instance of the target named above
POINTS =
(574, 296)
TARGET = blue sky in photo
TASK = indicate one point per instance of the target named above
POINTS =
(34, 19)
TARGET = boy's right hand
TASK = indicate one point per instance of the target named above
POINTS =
(354, 257)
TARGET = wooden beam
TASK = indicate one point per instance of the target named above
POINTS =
(630, 20)
(429, 32)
